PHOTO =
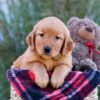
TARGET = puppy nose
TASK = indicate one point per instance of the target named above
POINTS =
(47, 49)
(88, 29)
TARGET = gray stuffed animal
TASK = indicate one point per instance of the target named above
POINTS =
(86, 35)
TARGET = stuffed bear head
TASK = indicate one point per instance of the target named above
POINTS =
(84, 30)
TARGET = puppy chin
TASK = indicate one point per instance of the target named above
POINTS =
(44, 56)
(51, 56)
(47, 56)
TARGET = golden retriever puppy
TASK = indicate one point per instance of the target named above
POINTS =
(49, 49)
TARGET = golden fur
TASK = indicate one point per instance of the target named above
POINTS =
(52, 32)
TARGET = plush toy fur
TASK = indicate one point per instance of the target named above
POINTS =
(86, 35)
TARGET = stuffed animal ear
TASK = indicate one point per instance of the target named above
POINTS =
(72, 22)
(30, 39)
(68, 46)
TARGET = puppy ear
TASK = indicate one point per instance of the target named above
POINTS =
(30, 39)
(68, 46)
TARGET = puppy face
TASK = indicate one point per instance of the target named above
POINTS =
(49, 42)
(50, 38)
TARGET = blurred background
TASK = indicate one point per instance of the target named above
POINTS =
(17, 18)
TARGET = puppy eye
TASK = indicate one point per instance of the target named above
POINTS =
(57, 37)
(41, 34)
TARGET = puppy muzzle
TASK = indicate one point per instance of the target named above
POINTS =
(47, 49)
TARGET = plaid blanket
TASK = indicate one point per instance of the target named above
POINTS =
(77, 85)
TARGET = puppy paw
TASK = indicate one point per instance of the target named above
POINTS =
(41, 75)
(57, 81)
(42, 80)
(59, 74)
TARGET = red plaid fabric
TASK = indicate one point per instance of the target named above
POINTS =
(77, 85)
